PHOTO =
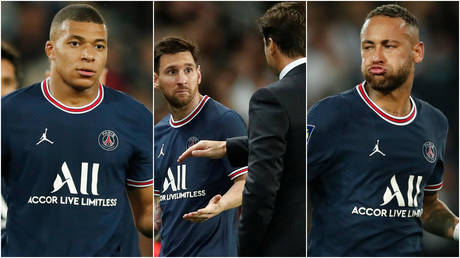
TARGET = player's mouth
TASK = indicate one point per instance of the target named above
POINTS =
(182, 91)
(86, 72)
(377, 70)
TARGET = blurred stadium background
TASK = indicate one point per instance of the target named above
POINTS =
(25, 25)
(334, 61)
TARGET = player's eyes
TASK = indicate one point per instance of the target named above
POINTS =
(367, 47)
(74, 43)
(390, 46)
(100, 47)
(188, 70)
(171, 72)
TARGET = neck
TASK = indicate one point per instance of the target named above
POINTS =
(71, 96)
(397, 102)
(182, 112)
(283, 60)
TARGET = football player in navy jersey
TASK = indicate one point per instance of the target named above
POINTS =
(197, 198)
(376, 154)
(76, 155)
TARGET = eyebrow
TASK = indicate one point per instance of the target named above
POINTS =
(83, 39)
(385, 41)
(174, 66)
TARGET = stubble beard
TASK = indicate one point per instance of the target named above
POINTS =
(178, 103)
(389, 82)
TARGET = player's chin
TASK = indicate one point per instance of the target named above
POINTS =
(84, 83)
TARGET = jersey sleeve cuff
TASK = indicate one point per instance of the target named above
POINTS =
(435, 187)
(238, 172)
(156, 192)
(137, 183)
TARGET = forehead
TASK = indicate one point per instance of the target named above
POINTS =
(82, 29)
(178, 59)
(386, 28)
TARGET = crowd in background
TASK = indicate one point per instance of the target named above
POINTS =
(25, 25)
(334, 65)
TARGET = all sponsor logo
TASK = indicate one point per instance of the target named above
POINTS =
(64, 184)
(177, 184)
(406, 200)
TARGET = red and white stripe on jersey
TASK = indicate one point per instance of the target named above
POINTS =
(156, 192)
(395, 120)
(72, 110)
(193, 114)
(238, 172)
(136, 183)
(431, 188)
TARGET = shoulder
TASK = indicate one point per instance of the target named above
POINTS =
(21, 96)
(332, 106)
(125, 102)
(433, 114)
(221, 113)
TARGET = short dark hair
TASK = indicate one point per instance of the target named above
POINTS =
(394, 11)
(11, 54)
(173, 45)
(76, 12)
(285, 24)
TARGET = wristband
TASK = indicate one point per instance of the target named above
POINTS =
(456, 232)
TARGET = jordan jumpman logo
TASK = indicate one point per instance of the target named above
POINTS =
(376, 149)
(44, 138)
(161, 151)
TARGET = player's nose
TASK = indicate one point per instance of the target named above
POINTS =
(181, 78)
(87, 54)
(378, 55)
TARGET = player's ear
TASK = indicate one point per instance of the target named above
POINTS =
(418, 52)
(271, 46)
(156, 83)
(49, 49)
(198, 70)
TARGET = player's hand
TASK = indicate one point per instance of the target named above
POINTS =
(213, 208)
(208, 149)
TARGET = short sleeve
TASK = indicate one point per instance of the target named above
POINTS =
(435, 183)
(232, 125)
(323, 127)
(140, 166)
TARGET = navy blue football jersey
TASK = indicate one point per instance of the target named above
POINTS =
(188, 186)
(66, 170)
(367, 173)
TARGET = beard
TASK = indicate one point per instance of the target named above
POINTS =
(178, 102)
(389, 82)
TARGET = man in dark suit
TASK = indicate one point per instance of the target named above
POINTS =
(273, 219)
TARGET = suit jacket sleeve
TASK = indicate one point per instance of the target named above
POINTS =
(268, 128)
(237, 150)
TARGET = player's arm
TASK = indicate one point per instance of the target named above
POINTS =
(157, 213)
(219, 203)
(142, 206)
(437, 218)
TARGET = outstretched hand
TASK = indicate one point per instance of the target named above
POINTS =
(208, 149)
(213, 208)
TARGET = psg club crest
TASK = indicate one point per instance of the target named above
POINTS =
(192, 141)
(108, 140)
(429, 152)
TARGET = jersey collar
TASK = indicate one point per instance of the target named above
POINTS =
(72, 110)
(395, 120)
(189, 117)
